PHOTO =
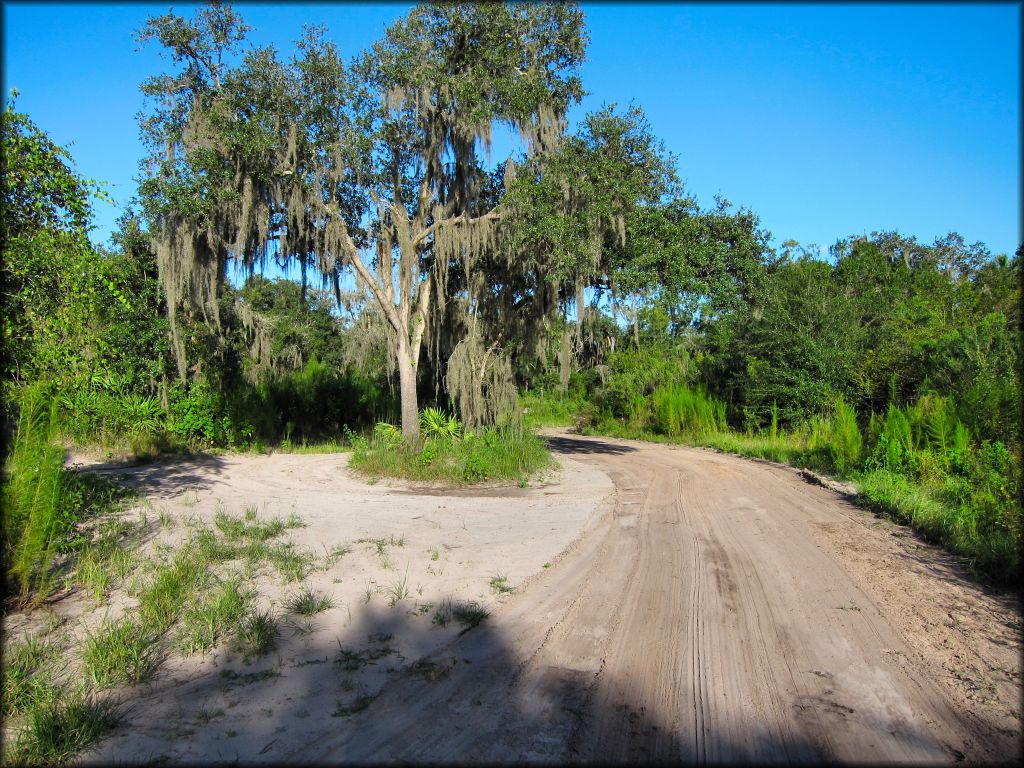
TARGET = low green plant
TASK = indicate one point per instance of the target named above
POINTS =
(258, 633)
(469, 614)
(387, 435)
(110, 559)
(398, 590)
(333, 555)
(351, 661)
(308, 603)
(251, 528)
(436, 423)
(319, 447)
(205, 715)
(508, 454)
(57, 723)
(443, 614)
(300, 627)
(500, 586)
(214, 549)
(214, 617)
(23, 667)
(121, 651)
(291, 563)
(161, 601)
(347, 710)
(92, 574)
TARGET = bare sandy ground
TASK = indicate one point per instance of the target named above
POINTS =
(440, 546)
(704, 608)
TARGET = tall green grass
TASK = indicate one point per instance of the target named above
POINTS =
(680, 410)
(46, 721)
(34, 516)
(59, 722)
(44, 503)
(549, 409)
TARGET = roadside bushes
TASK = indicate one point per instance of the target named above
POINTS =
(634, 375)
(919, 464)
(845, 440)
(972, 489)
(314, 402)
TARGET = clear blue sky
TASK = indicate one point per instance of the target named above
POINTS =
(826, 120)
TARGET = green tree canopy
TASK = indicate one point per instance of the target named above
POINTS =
(368, 166)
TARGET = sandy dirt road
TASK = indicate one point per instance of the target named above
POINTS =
(722, 610)
(671, 605)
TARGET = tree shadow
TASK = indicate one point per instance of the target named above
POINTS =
(165, 478)
(576, 445)
(384, 690)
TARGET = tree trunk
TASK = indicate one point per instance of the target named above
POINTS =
(407, 365)
(636, 322)
(565, 360)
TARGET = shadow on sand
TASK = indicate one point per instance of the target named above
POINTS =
(166, 478)
(578, 445)
(384, 691)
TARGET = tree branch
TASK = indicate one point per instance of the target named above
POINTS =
(460, 219)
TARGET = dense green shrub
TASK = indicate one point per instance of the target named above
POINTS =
(888, 321)
(633, 375)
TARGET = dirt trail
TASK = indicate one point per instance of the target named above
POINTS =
(721, 610)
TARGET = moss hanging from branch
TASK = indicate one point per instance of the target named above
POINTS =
(479, 381)
(258, 331)
(240, 222)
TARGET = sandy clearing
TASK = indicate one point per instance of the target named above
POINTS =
(451, 544)
(706, 608)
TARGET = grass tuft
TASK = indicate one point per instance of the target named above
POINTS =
(258, 633)
(469, 614)
(500, 586)
(120, 652)
(22, 671)
(308, 603)
(398, 589)
(215, 617)
(161, 602)
(58, 724)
